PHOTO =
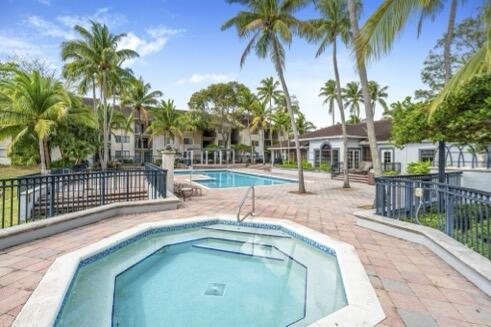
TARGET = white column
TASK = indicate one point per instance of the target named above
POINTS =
(192, 156)
(206, 156)
(202, 154)
(220, 156)
(233, 157)
(168, 158)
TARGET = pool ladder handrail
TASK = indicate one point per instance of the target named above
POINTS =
(242, 202)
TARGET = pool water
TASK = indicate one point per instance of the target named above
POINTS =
(229, 178)
(215, 275)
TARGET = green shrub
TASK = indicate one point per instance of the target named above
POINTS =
(418, 167)
(61, 164)
(307, 165)
(391, 173)
(325, 167)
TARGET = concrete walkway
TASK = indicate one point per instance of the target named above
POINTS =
(414, 286)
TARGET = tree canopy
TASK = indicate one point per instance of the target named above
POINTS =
(463, 117)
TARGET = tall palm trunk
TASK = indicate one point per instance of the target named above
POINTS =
(270, 129)
(264, 146)
(341, 113)
(47, 154)
(41, 156)
(362, 71)
(447, 65)
(94, 107)
(105, 121)
(279, 70)
(333, 114)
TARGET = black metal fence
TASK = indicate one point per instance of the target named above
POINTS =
(33, 197)
(462, 213)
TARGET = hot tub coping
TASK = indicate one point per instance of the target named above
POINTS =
(363, 307)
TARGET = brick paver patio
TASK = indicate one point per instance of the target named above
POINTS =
(414, 286)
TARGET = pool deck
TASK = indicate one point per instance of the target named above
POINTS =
(414, 286)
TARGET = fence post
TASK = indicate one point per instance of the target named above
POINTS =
(52, 196)
(449, 221)
(127, 185)
(102, 187)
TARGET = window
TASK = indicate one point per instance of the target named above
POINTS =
(122, 154)
(3, 153)
(427, 155)
(317, 158)
(335, 157)
(386, 155)
(353, 158)
(255, 143)
(122, 139)
(188, 141)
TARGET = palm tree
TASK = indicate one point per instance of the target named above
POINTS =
(268, 92)
(303, 124)
(328, 92)
(326, 30)
(378, 34)
(354, 10)
(353, 119)
(378, 94)
(247, 100)
(269, 25)
(168, 121)
(32, 104)
(282, 125)
(91, 59)
(353, 97)
(260, 122)
(140, 97)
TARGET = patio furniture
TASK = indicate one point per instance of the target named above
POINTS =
(186, 190)
(363, 168)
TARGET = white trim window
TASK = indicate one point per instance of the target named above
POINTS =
(122, 139)
(387, 156)
(427, 155)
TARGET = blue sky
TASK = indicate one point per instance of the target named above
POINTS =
(183, 49)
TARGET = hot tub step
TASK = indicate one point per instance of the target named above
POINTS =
(246, 230)
(264, 251)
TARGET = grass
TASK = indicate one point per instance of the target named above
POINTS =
(471, 227)
(12, 171)
(9, 210)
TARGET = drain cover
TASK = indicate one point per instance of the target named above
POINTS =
(215, 289)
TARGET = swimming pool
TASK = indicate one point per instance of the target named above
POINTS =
(232, 178)
(207, 272)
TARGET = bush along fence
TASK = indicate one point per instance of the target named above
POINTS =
(462, 213)
(34, 197)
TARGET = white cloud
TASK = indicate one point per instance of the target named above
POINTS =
(102, 15)
(16, 46)
(158, 38)
(48, 28)
(63, 26)
(208, 78)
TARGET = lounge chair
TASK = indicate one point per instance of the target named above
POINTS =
(363, 168)
(186, 190)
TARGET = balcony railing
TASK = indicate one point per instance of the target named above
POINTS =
(35, 197)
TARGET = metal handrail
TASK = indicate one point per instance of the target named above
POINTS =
(242, 202)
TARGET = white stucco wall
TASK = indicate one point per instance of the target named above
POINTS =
(4, 159)
(335, 143)
(126, 146)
